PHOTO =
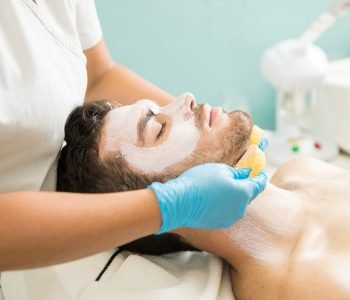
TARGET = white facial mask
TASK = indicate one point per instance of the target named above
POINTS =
(180, 143)
(121, 125)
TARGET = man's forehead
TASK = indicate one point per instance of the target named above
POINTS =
(122, 122)
(133, 110)
(144, 104)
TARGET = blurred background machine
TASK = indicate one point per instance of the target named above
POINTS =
(313, 95)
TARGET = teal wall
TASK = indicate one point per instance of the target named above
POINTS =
(212, 47)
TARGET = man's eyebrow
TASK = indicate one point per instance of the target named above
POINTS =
(143, 122)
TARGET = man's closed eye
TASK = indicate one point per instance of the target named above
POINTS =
(161, 131)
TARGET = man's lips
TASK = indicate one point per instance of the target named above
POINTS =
(207, 114)
(214, 112)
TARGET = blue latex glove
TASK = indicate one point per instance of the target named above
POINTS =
(208, 196)
(263, 143)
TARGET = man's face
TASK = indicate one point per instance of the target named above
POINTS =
(173, 138)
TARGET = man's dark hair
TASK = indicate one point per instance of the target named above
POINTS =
(82, 169)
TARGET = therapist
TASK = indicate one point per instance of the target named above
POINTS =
(52, 58)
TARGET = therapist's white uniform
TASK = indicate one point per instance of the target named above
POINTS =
(42, 78)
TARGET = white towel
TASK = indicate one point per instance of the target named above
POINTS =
(184, 275)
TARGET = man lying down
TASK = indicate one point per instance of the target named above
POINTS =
(293, 242)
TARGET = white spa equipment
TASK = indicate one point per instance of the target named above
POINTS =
(299, 71)
(333, 105)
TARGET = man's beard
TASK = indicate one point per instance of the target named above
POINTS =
(235, 137)
(229, 145)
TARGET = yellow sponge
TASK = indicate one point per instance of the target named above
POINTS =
(256, 135)
(254, 157)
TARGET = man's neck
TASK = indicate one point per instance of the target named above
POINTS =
(266, 233)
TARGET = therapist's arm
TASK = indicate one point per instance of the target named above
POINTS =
(39, 229)
(109, 80)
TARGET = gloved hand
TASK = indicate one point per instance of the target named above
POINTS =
(263, 143)
(209, 196)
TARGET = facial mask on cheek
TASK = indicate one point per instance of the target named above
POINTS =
(181, 142)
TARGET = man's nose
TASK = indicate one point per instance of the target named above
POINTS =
(184, 105)
(187, 101)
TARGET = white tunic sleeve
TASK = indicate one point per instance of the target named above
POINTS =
(42, 78)
(88, 25)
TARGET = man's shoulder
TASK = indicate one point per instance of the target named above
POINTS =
(304, 171)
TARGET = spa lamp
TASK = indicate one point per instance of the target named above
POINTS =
(296, 68)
